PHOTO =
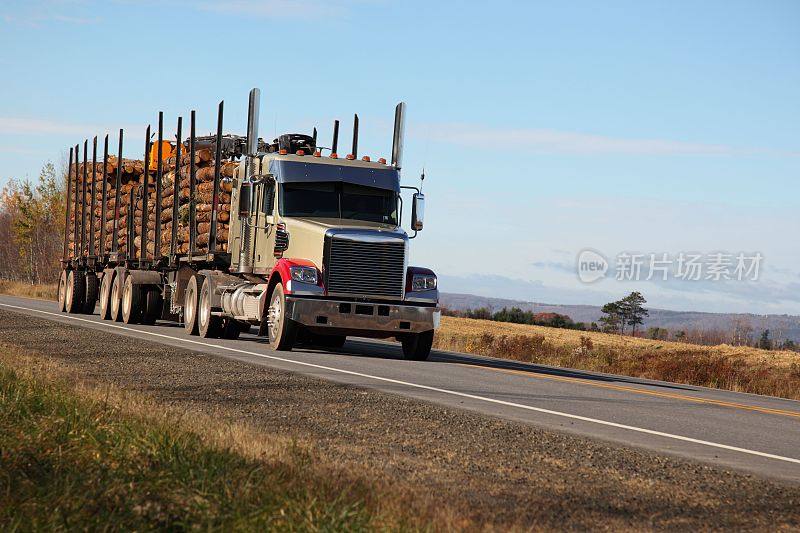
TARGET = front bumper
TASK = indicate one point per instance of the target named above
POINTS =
(362, 317)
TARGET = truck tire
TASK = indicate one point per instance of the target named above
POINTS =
(131, 302)
(62, 291)
(208, 325)
(76, 287)
(191, 300)
(105, 295)
(281, 331)
(231, 329)
(115, 298)
(90, 297)
(417, 346)
(153, 305)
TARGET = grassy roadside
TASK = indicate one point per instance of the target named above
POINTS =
(20, 288)
(736, 368)
(77, 457)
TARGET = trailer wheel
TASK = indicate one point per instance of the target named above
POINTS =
(62, 291)
(281, 330)
(190, 302)
(105, 295)
(417, 346)
(208, 325)
(92, 289)
(76, 287)
(231, 329)
(153, 305)
(131, 302)
(116, 298)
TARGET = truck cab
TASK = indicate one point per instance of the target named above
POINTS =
(325, 234)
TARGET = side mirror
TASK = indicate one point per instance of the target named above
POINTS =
(418, 211)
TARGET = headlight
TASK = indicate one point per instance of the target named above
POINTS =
(423, 282)
(304, 274)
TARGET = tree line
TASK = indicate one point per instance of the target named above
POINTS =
(32, 228)
(516, 315)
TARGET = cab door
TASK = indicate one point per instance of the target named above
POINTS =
(265, 215)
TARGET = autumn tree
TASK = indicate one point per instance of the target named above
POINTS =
(32, 228)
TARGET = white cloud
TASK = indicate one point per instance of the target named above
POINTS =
(34, 13)
(270, 8)
(37, 126)
(550, 141)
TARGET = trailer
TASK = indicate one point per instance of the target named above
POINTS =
(223, 233)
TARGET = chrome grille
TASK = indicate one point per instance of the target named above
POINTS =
(362, 268)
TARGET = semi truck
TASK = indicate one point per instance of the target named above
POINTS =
(313, 250)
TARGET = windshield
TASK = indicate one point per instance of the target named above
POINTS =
(339, 200)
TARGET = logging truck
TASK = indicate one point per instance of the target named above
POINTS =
(224, 233)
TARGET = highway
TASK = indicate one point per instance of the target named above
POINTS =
(755, 434)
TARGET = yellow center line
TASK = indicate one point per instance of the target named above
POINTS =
(670, 395)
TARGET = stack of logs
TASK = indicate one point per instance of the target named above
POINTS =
(132, 173)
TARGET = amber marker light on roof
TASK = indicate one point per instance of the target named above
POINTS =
(365, 158)
(317, 154)
(300, 152)
(334, 155)
(350, 157)
(282, 151)
(382, 161)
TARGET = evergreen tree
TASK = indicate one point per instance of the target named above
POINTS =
(764, 342)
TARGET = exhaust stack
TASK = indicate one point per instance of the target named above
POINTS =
(355, 137)
(252, 122)
(335, 144)
(399, 131)
(246, 187)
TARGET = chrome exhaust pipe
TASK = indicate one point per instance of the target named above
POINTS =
(399, 132)
(246, 186)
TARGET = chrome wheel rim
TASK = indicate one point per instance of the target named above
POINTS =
(274, 317)
(126, 298)
(68, 291)
(189, 306)
(62, 290)
(115, 298)
(205, 309)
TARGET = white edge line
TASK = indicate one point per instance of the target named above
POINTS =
(425, 387)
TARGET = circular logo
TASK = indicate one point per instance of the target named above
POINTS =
(591, 266)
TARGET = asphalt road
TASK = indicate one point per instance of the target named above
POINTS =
(756, 434)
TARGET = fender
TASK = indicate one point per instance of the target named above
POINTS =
(144, 277)
(280, 273)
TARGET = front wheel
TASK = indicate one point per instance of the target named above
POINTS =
(417, 346)
(282, 330)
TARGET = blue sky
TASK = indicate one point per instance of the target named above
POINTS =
(544, 128)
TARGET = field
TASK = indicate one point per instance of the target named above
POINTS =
(737, 368)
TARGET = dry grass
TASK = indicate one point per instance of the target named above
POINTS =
(20, 288)
(118, 457)
(737, 368)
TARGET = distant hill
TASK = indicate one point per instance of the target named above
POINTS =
(780, 326)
